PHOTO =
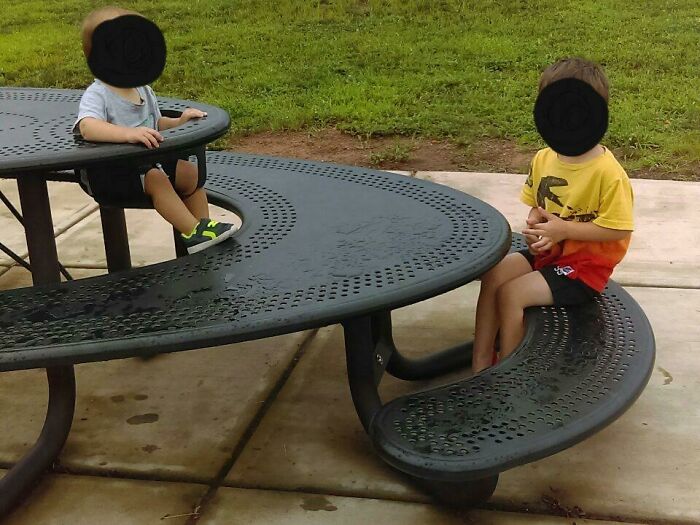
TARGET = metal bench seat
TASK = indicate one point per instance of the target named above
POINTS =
(576, 370)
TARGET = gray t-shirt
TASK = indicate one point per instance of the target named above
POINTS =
(102, 103)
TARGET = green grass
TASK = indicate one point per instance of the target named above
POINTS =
(436, 68)
(395, 153)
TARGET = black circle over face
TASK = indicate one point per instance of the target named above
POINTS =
(571, 116)
(127, 51)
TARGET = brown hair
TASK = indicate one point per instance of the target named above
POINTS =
(94, 19)
(579, 68)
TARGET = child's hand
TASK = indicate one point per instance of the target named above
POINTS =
(535, 217)
(541, 245)
(553, 231)
(146, 136)
(191, 113)
(530, 240)
(537, 244)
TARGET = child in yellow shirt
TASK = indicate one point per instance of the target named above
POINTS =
(578, 228)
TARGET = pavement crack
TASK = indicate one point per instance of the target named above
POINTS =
(218, 481)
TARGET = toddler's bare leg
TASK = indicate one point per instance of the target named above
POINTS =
(487, 321)
(512, 298)
(186, 178)
(167, 202)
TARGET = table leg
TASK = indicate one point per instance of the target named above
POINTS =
(38, 228)
(365, 367)
(41, 243)
(427, 367)
(21, 478)
(370, 350)
(413, 369)
(12, 254)
(116, 239)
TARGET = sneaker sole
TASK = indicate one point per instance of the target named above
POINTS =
(203, 245)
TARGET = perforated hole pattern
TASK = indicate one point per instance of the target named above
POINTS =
(166, 297)
(558, 378)
(24, 118)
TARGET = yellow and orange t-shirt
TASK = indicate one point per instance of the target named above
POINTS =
(597, 191)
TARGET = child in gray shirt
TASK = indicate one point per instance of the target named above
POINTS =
(112, 114)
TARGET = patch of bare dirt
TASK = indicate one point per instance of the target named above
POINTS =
(688, 172)
(389, 153)
(414, 154)
(496, 155)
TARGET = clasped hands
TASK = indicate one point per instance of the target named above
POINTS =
(544, 230)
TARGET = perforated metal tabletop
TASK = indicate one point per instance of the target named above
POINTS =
(319, 243)
(36, 132)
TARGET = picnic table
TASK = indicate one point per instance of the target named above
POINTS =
(323, 244)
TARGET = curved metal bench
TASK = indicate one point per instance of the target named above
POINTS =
(576, 370)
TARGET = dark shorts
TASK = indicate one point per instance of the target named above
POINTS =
(565, 291)
(122, 185)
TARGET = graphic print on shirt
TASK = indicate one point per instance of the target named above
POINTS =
(579, 216)
(544, 191)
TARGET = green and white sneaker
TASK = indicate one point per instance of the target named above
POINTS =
(207, 233)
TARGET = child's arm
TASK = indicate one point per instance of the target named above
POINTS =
(96, 130)
(587, 231)
(188, 114)
(557, 229)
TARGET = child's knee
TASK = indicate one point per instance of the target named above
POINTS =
(486, 277)
(495, 277)
(154, 180)
(186, 178)
(491, 278)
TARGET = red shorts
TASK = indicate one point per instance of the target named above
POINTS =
(565, 291)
